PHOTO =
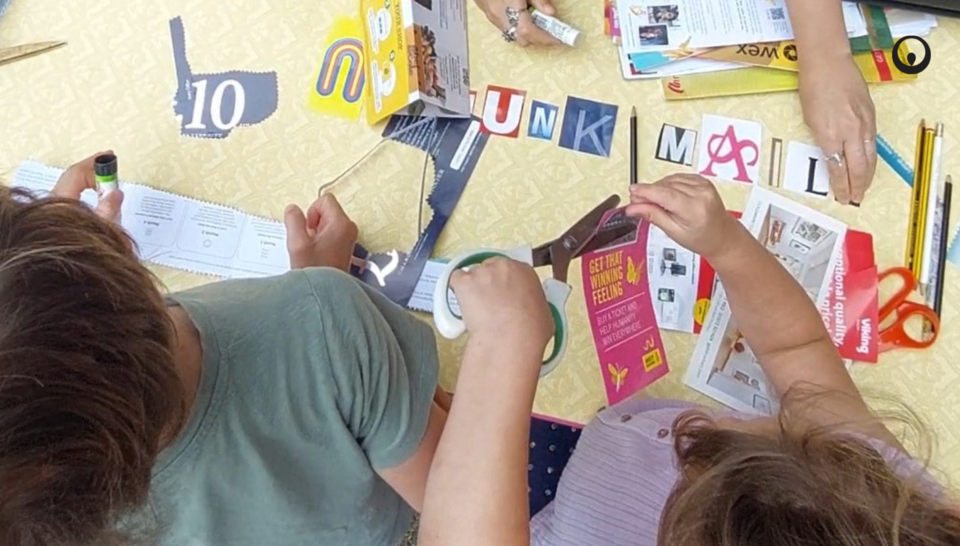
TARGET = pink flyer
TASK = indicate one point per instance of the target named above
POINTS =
(625, 332)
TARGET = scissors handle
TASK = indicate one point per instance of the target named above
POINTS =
(896, 336)
(450, 324)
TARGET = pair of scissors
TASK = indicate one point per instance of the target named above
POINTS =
(895, 336)
(17, 53)
(586, 235)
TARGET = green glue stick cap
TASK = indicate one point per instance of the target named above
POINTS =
(105, 171)
(105, 166)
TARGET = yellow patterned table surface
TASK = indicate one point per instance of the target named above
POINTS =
(112, 87)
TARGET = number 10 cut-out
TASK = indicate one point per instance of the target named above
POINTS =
(212, 105)
(216, 105)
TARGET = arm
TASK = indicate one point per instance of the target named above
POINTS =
(836, 102)
(786, 333)
(477, 490)
(409, 478)
(775, 315)
(818, 29)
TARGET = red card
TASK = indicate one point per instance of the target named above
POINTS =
(850, 312)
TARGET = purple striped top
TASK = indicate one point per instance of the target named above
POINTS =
(617, 482)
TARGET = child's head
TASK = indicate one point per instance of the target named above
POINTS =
(793, 486)
(88, 388)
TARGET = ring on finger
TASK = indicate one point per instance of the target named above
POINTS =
(836, 157)
(510, 34)
(513, 15)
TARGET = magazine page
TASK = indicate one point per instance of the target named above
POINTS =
(617, 294)
(683, 25)
(808, 244)
(439, 49)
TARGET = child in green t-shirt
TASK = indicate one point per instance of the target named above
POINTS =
(289, 410)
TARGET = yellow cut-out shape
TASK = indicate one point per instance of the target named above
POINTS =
(618, 375)
(700, 310)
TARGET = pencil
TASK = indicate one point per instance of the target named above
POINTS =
(933, 191)
(633, 145)
(910, 250)
(928, 138)
(944, 235)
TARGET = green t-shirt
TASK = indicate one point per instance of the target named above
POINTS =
(310, 381)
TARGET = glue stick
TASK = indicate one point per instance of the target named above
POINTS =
(555, 27)
(105, 170)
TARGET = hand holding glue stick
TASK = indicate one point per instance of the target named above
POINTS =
(555, 27)
(528, 22)
(81, 177)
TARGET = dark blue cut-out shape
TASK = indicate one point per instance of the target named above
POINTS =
(455, 145)
(212, 105)
(588, 126)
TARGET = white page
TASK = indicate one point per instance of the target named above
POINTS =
(654, 25)
(723, 367)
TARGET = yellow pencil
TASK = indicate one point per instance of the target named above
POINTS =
(911, 249)
(929, 135)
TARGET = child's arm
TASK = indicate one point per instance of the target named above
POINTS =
(772, 311)
(477, 490)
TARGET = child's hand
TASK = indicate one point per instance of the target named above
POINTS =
(323, 237)
(80, 177)
(687, 208)
(503, 300)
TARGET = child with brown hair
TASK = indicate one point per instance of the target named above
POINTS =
(289, 410)
(647, 472)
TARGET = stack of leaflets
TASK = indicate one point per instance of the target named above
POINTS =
(741, 46)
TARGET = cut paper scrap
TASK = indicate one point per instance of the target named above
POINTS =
(805, 171)
(340, 82)
(622, 319)
(455, 145)
(503, 111)
(730, 149)
(676, 145)
(212, 105)
(543, 119)
(588, 126)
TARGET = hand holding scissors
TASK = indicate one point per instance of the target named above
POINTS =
(895, 336)
(584, 236)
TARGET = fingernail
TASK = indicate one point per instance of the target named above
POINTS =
(855, 204)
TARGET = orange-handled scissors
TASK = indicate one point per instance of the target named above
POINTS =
(895, 335)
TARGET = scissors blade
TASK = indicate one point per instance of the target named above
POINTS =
(561, 251)
(16, 53)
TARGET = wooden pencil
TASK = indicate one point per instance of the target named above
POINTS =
(633, 145)
(944, 243)
(929, 136)
(910, 250)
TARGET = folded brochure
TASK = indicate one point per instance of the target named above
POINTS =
(624, 326)
(416, 58)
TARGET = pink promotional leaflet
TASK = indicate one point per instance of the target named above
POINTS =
(621, 314)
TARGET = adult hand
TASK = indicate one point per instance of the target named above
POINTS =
(503, 300)
(839, 112)
(687, 208)
(80, 177)
(323, 237)
(527, 31)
